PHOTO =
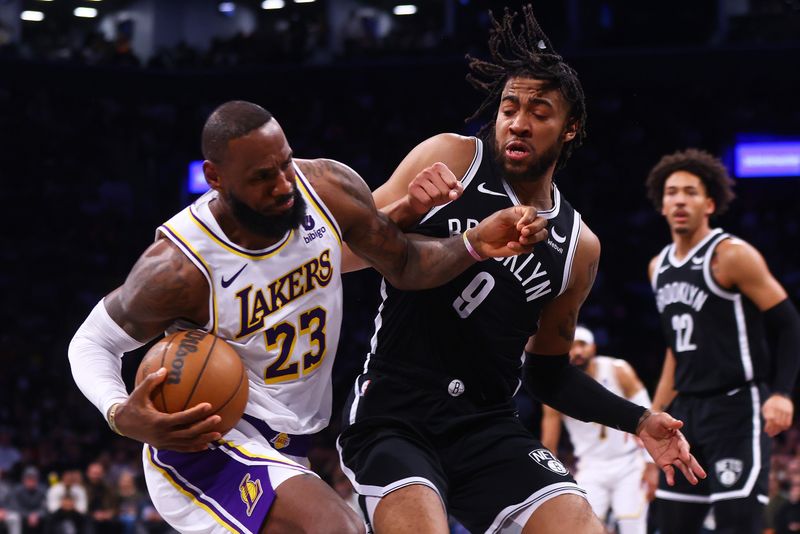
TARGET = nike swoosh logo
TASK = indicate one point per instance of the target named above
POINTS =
(226, 283)
(482, 189)
(662, 269)
(697, 261)
(558, 238)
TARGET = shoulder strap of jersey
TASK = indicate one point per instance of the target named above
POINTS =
(315, 202)
(708, 277)
(662, 257)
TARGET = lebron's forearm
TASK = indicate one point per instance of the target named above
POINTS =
(95, 356)
(555, 382)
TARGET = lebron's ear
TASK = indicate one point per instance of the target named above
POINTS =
(570, 131)
(211, 174)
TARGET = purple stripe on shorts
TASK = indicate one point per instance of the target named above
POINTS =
(228, 487)
(292, 444)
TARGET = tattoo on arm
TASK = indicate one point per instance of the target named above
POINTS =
(566, 330)
(592, 272)
(163, 286)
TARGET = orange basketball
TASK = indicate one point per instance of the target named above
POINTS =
(200, 368)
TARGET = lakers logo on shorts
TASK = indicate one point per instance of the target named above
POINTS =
(281, 441)
(728, 471)
(250, 493)
(546, 459)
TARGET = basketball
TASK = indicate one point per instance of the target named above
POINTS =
(200, 368)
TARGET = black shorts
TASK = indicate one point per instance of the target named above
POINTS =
(726, 434)
(480, 459)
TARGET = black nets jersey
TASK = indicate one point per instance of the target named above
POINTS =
(474, 328)
(716, 334)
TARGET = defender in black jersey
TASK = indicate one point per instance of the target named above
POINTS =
(716, 295)
(431, 426)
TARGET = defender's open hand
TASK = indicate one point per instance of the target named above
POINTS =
(668, 447)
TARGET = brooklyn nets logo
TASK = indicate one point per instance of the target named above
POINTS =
(546, 459)
(728, 471)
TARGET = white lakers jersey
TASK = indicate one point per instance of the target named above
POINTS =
(592, 441)
(279, 307)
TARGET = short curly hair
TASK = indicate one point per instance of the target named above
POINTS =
(710, 170)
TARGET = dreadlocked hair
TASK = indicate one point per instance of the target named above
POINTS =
(528, 54)
(710, 170)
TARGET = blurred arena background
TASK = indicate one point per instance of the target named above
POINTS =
(102, 102)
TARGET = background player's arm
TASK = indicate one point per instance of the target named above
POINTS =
(162, 286)
(665, 390)
(634, 391)
(551, 428)
(413, 261)
(427, 177)
(738, 264)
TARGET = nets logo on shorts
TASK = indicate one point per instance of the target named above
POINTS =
(728, 470)
(250, 492)
(546, 459)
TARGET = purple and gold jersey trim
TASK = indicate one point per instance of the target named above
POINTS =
(198, 260)
(230, 247)
(228, 482)
(317, 203)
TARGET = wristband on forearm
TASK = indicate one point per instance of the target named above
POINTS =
(783, 321)
(553, 381)
(470, 248)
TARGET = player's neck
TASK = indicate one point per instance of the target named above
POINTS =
(685, 242)
(537, 192)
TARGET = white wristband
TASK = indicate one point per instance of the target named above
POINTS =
(470, 248)
(95, 355)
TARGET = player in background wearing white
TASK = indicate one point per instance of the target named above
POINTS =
(616, 472)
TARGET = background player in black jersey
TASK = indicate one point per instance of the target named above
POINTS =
(431, 426)
(716, 295)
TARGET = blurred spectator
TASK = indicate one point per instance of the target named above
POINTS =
(787, 518)
(9, 454)
(129, 502)
(9, 515)
(150, 521)
(66, 519)
(71, 485)
(777, 497)
(31, 499)
(100, 500)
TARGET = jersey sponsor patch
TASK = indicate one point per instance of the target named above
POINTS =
(546, 459)
(728, 471)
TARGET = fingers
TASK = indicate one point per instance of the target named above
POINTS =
(190, 416)
(150, 383)
(669, 472)
(690, 476)
(773, 428)
(696, 468)
(435, 185)
(190, 430)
